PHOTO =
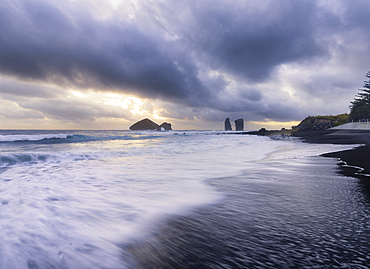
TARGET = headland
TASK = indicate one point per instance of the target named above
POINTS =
(336, 130)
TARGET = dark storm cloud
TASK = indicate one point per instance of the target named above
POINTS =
(20, 89)
(40, 42)
(357, 14)
(243, 39)
(249, 110)
(252, 95)
(73, 109)
(185, 52)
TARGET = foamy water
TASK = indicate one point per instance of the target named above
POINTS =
(72, 200)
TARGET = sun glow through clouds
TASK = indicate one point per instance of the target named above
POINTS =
(78, 94)
(124, 60)
(156, 116)
(133, 104)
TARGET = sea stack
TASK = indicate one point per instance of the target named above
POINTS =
(145, 124)
(239, 125)
(227, 125)
(166, 126)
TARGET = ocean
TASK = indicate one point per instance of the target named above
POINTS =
(176, 199)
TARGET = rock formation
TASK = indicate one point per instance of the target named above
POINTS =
(147, 124)
(262, 131)
(227, 125)
(166, 126)
(239, 125)
(313, 126)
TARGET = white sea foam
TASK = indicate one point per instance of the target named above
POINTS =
(297, 149)
(75, 206)
(38, 137)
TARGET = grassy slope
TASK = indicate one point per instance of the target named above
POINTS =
(337, 119)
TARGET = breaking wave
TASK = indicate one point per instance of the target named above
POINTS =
(38, 137)
(35, 158)
(66, 138)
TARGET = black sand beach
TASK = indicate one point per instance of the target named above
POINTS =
(357, 157)
(310, 218)
(354, 162)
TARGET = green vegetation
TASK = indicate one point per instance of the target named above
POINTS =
(360, 109)
(327, 120)
(336, 119)
(360, 106)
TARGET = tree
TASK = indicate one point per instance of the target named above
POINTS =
(360, 106)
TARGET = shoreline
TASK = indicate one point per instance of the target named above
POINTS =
(205, 239)
(354, 162)
(238, 233)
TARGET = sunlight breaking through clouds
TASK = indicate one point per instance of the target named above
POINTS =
(190, 62)
(130, 103)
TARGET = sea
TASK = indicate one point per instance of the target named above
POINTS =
(177, 199)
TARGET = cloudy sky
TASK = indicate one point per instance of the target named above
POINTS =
(100, 64)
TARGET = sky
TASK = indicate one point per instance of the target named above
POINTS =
(100, 64)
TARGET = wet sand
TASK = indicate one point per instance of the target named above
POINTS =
(302, 216)
(354, 162)
(358, 157)
(264, 223)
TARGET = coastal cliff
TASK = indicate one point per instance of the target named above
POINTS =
(318, 125)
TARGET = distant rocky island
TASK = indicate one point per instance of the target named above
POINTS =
(310, 126)
(147, 124)
(239, 125)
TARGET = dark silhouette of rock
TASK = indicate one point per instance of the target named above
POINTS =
(145, 124)
(262, 131)
(166, 126)
(227, 125)
(313, 126)
(239, 125)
